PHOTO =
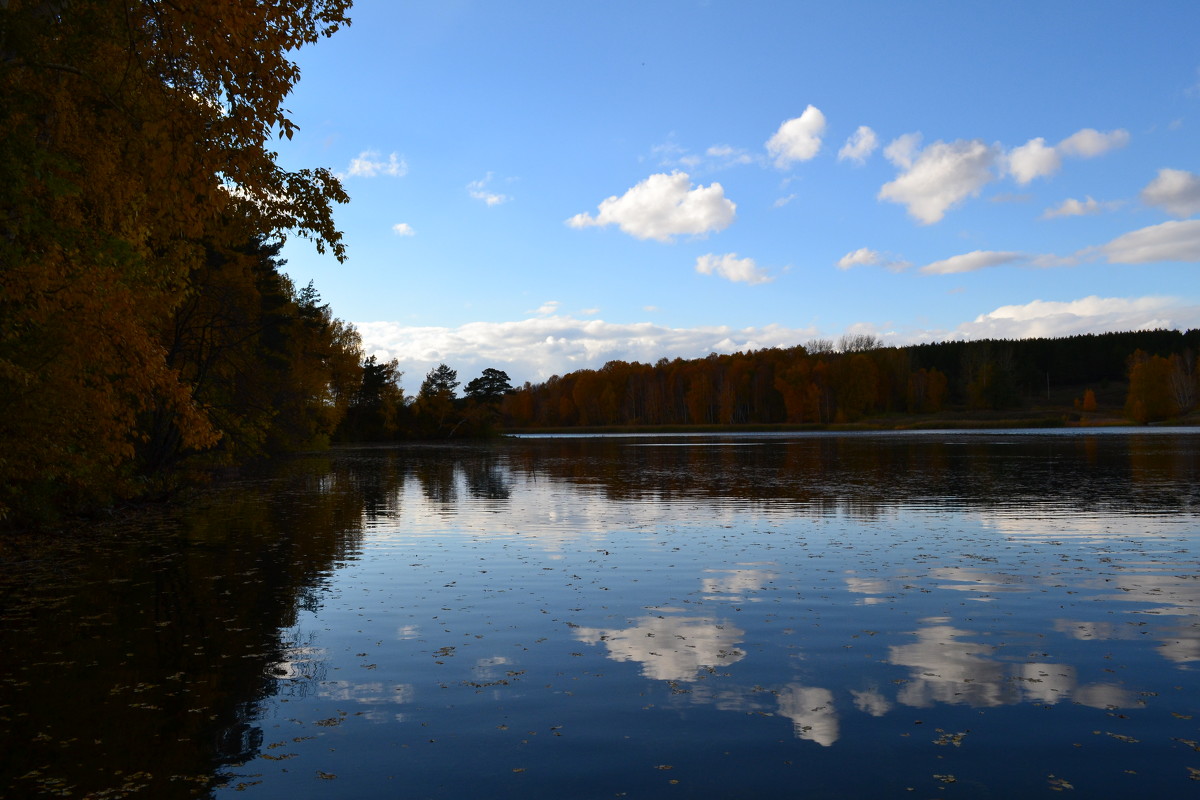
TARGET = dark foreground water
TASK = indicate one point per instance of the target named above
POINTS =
(912, 615)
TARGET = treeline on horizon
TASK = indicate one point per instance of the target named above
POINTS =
(1155, 372)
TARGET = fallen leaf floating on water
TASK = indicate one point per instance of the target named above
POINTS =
(1058, 784)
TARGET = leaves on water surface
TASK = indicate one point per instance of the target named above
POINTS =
(332, 722)
(955, 739)
(1058, 784)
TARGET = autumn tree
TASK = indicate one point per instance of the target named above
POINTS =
(1150, 398)
(130, 131)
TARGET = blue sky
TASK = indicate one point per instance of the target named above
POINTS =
(542, 187)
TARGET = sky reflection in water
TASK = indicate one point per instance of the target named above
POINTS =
(574, 617)
(955, 615)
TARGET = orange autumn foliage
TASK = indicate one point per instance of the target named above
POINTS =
(130, 133)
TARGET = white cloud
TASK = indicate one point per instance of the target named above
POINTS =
(403, 229)
(1170, 241)
(546, 309)
(1033, 160)
(1090, 142)
(797, 139)
(536, 348)
(969, 262)
(859, 146)
(728, 156)
(941, 176)
(480, 191)
(903, 149)
(1042, 318)
(780, 202)
(1175, 190)
(662, 207)
(732, 268)
(673, 155)
(865, 256)
(369, 165)
(1073, 208)
(861, 256)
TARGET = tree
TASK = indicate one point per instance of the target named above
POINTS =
(435, 400)
(131, 133)
(489, 387)
(440, 382)
(375, 409)
(1150, 398)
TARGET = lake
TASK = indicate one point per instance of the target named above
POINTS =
(935, 614)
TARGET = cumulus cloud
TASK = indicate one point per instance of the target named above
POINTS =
(662, 207)
(403, 229)
(861, 256)
(1043, 318)
(859, 146)
(1073, 208)
(797, 139)
(903, 149)
(969, 262)
(534, 349)
(865, 256)
(1175, 190)
(938, 177)
(1089, 142)
(480, 191)
(1170, 241)
(1033, 160)
(732, 268)
(368, 164)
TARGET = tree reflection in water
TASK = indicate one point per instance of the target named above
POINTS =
(572, 617)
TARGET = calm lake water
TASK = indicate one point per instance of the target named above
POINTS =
(975, 615)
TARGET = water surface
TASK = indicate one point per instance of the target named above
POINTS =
(918, 615)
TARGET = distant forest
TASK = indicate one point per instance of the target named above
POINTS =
(1143, 376)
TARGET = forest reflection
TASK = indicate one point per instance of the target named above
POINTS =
(863, 476)
(152, 641)
(825, 580)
